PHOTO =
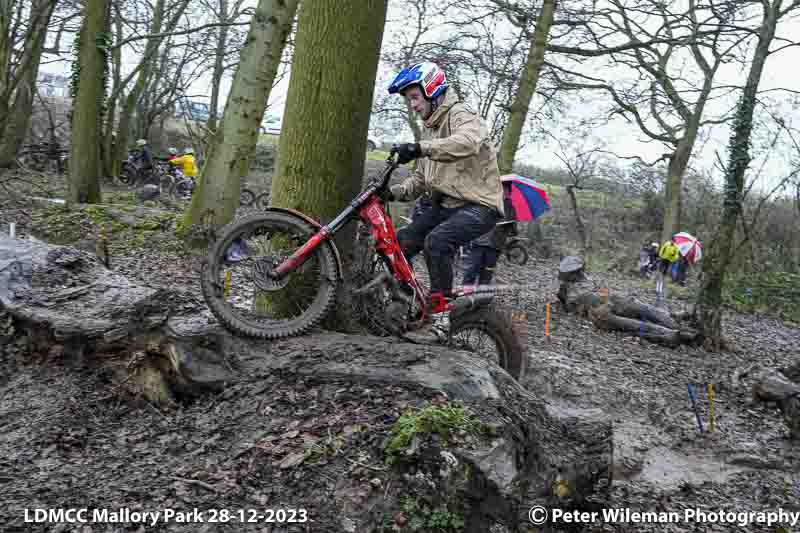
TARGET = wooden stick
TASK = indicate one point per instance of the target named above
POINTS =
(694, 406)
(227, 285)
(197, 482)
(711, 417)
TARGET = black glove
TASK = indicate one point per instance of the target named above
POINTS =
(408, 152)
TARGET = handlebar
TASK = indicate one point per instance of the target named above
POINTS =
(381, 182)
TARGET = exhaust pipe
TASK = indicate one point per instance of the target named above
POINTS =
(470, 302)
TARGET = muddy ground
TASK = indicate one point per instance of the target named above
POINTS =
(66, 439)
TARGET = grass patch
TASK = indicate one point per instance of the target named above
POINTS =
(445, 421)
(268, 139)
(421, 517)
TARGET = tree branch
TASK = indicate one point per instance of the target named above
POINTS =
(181, 32)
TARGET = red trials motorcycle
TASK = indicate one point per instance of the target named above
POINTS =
(275, 274)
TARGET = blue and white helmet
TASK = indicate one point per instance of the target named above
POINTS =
(430, 78)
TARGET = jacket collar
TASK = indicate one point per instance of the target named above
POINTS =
(450, 98)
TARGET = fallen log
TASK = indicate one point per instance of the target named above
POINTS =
(159, 347)
(580, 295)
(619, 314)
(774, 386)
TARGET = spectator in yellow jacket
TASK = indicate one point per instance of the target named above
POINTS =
(667, 254)
(187, 162)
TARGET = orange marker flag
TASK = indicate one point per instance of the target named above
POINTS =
(547, 322)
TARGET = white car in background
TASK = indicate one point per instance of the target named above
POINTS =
(272, 125)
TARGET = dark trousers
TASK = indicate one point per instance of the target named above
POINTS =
(480, 264)
(439, 231)
(680, 271)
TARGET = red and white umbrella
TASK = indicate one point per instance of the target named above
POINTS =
(689, 247)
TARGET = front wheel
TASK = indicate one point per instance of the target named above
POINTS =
(243, 296)
(488, 333)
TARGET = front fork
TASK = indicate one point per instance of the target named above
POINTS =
(300, 255)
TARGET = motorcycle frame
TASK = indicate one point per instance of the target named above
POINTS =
(369, 207)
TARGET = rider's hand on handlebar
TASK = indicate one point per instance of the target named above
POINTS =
(394, 193)
(407, 152)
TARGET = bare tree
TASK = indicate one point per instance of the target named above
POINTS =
(527, 87)
(18, 73)
(669, 104)
(708, 311)
(580, 163)
(162, 17)
(233, 144)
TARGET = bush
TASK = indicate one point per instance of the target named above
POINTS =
(774, 292)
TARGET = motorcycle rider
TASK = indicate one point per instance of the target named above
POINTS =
(457, 166)
(187, 162)
(143, 157)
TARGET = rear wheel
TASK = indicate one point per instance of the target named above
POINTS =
(245, 299)
(517, 254)
(489, 334)
(127, 174)
(262, 200)
(246, 198)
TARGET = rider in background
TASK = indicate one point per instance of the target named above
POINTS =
(457, 166)
(143, 157)
(173, 153)
(187, 162)
(483, 253)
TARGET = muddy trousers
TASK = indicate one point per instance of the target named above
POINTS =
(440, 231)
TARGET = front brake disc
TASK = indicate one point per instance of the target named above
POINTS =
(263, 277)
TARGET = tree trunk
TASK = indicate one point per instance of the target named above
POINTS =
(708, 311)
(219, 59)
(578, 222)
(233, 145)
(84, 183)
(678, 163)
(320, 168)
(320, 164)
(112, 166)
(18, 120)
(6, 48)
(527, 88)
(148, 59)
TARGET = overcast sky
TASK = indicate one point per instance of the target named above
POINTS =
(618, 136)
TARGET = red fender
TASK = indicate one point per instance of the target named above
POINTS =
(317, 225)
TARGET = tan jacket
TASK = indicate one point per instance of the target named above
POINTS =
(459, 159)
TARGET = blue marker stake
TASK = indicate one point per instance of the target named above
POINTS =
(694, 406)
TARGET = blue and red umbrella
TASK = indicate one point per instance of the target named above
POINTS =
(527, 198)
